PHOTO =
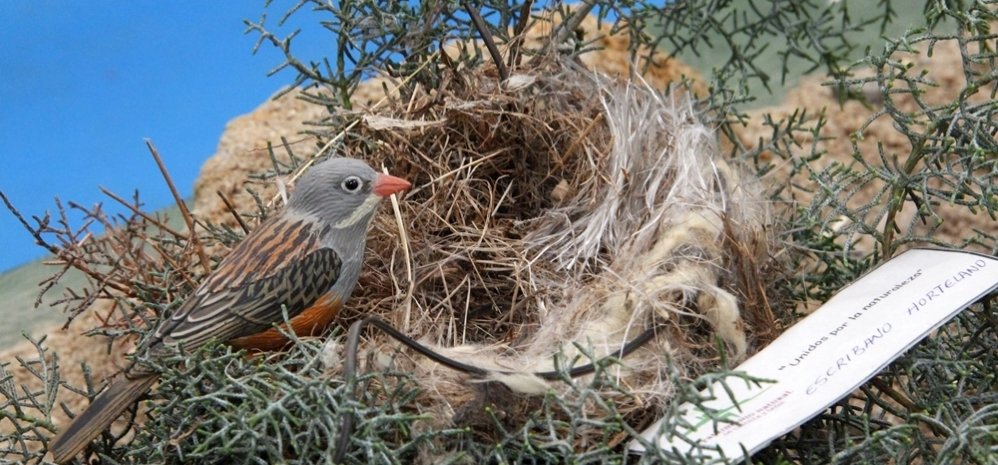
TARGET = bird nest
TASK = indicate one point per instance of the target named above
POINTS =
(555, 218)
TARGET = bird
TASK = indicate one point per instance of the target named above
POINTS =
(306, 259)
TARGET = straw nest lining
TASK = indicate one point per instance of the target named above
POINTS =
(560, 210)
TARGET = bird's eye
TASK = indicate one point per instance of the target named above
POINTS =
(351, 184)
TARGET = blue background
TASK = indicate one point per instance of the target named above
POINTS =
(82, 84)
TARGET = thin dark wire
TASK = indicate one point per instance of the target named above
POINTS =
(350, 367)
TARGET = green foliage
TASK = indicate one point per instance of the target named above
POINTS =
(222, 406)
(935, 404)
(27, 410)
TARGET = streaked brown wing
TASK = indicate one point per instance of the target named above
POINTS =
(279, 263)
(265, 251)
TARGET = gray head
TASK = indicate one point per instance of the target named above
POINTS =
(343, 193)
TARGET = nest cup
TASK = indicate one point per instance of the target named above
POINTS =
(554, 218)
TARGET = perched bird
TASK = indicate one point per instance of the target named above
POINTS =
(306, 259)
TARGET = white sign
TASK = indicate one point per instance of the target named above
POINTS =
(833, 351)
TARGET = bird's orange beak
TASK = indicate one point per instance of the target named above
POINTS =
(385, 185)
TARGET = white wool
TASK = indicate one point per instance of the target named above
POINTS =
(524, 383)
(660, 214)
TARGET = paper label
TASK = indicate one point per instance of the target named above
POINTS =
(833, 351)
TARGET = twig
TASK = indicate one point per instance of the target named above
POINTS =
(560, 34)
(50, 282)
(70, 260)
(135, 210)
(898, 397)
(517, 40)
(183, 207)
(483, 30)
(235, 214)
(176, 266)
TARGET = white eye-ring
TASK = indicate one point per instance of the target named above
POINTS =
(352, 184)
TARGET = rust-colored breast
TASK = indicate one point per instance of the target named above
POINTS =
(310, 322)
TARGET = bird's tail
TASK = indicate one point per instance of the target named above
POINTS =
(98, 417)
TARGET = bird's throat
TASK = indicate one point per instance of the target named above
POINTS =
(362, 211)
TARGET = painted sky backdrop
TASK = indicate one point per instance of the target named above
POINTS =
(82, 84)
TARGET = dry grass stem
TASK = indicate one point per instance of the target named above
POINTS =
(205, 264)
